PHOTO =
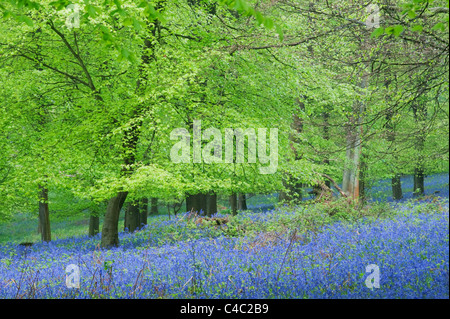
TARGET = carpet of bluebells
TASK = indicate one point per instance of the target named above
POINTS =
(177, 258)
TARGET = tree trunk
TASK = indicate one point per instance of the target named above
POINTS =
(397, 193)
(242, 202)
(362, 179)
(196, 203)
(110, 233)
(188, 203)
(44, 215)
(94, 224)
(293, 186)
(143, 210)
(419, 180)
(397, 187)
(133, 217)
(125, 220)
(326, 136)
(350, 180)
(211, 208)
(420, 116)
(233, 203)
(154, 206)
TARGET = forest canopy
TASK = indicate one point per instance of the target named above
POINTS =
(91, 92)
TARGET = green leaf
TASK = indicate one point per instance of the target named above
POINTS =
(377, 32)
(118, 4)
(398, 29)
(259, 18)
(280, 33)
(240, 5)
(92, 11)
(411, 14)
(127, 21)
(27, 20)
(150, 11)
(137, 25)
(438, 26)
(417, 28)
(389, 30)
(7, 14)
(268, 23)
(61, 4)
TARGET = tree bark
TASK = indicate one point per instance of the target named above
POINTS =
(396, 187)
(233, 204)
(420, 116)
(196, 203)
(350, 180)
(133, 217)
(362, 179)
(292, 184)
(419, 180)
(326, 136)
(154, 206)
(94, 224)
(44, 215)
(211, 207)
(396, 182)
(110, 233)
(143, 210)
(242, 202)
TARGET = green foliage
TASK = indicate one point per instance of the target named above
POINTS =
(72, 98)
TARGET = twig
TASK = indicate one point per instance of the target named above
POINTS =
(291, 240)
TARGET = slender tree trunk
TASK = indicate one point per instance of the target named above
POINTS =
(143, 210)
(211, 208)
(44, 214)
(94, 224)
(420, 115)
(326, 136)
(242, 202)
(189, 205)
(133, 217)
(419, 180)
(363, 179)
(125, 220)
(110, 233)
(396, 187)
(350, 182)
(346, 178)
(293, 186)
(396, 182)
(233, 203)
(154, 206)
